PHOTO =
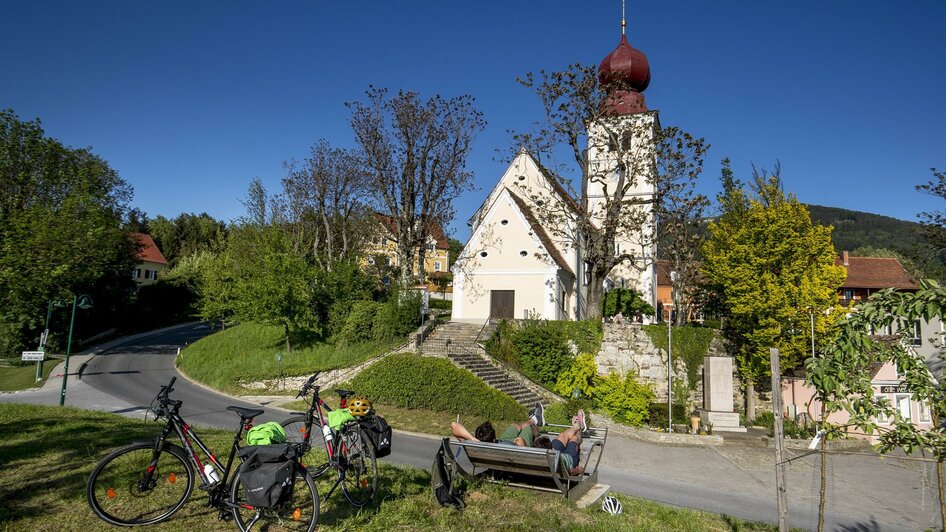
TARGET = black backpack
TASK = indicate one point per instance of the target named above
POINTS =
(267, 474)
(379, 434)
(442, 481)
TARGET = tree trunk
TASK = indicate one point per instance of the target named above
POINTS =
(593, 301)
(942, 492)
(822, 495)
(286, 330)
(750, 400)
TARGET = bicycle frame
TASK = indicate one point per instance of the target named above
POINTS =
(186, 435)
(313, 414)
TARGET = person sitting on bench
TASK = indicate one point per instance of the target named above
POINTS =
(568, 442)
(521, 434)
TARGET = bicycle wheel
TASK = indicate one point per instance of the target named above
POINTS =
(360, 469)
(124, 491)
(299, 512)
(295, 430)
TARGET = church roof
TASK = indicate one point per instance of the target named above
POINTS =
(540, 232)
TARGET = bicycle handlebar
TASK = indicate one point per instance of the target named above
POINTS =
(308, 385)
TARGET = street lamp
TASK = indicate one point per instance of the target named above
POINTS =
(83, 302)
(673, 300)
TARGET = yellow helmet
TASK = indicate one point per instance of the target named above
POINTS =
(359, 406)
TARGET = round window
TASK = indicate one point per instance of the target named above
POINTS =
(504, 222)
(483, 253)
(522, 178)
(523, 253)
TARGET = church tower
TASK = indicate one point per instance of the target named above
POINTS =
(621, 163)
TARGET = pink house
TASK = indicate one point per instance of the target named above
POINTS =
(799, 400)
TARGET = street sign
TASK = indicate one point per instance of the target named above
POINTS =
(33, 356)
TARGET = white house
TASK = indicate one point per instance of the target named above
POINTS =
(518, 263)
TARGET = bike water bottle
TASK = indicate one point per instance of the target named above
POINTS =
(327, 433)
(211, 473)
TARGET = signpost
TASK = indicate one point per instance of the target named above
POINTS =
(33, 356)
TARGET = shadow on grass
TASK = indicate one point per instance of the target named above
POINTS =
(394, 484)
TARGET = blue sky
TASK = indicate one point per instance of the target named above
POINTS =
(191, 100)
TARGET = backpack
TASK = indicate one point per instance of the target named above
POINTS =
(266, 434)
(379, 433)
(267, 474)
(441, 479)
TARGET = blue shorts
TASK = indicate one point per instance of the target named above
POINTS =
(569, 452)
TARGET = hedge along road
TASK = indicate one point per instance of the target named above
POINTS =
(125, 376)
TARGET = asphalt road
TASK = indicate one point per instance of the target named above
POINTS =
(125, 378)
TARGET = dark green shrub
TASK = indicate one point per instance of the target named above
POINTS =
(399, 316)
(689, 343)
(441, 304)
(764, 419)
(359, 325)
(502, 344)
(413, 381)
(657, 414)
(586, 334)
(626, 301)
(542, 351)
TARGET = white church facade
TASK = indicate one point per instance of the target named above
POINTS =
(524, 258)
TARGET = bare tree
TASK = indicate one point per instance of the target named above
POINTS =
(416, 152)
(627, 166)
(325, 203)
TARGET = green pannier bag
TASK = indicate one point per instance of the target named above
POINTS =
(266, 434)
(337, 418)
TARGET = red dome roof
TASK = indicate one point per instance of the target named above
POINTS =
(625, 64)
(628, 67)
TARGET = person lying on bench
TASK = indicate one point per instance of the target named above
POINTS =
(568, 442)
(521, 434)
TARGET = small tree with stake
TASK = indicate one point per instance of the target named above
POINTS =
(842, 375)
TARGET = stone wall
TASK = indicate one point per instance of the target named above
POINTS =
(626, 347)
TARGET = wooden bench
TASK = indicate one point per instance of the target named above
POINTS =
(529, 467)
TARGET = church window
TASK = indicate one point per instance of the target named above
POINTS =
(483, 254)
(522, 178)
(523, 253)
(504, 222)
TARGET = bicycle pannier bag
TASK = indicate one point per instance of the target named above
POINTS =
(265, 434)
(441, 480)
(267, 474)
(379, 433)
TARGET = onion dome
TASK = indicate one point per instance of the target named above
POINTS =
(627, 69)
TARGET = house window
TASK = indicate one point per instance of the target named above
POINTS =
(437, 266)
(882, 418)
(848, 294)
(902, 404)
(430, 246)
(915, 334)
(924, 409)
(138, 273)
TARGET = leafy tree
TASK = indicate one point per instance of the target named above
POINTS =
(456, 247)
(61, 212)
(842, 376)
(934, 222)
(416, 153)
(768, 264)
(607, 207)
(626, 301)
(324, 204)
(187, 234)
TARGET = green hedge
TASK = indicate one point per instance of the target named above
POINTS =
(690, 343)
(412, 381)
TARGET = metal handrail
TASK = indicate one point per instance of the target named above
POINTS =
(508, 369)
(483, 328)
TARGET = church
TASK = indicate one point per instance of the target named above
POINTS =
(518, 264)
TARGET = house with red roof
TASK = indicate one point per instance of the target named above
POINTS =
(383, 247)
(151, 262)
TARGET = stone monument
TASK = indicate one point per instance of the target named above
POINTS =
(718, 396)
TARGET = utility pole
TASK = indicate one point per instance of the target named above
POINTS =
(780, 488)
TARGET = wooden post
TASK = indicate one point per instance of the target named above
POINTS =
(779, 441)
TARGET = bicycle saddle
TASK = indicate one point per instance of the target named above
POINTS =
(245, 412)
(344, 393)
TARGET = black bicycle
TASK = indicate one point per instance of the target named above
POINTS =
(148, 482)
(350, 453)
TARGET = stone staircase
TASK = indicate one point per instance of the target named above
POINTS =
(456, 341)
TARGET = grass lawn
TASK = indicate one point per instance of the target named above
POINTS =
(247, 352)
(14, 378)
(47, 461)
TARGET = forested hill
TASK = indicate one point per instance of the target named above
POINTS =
(854, 229)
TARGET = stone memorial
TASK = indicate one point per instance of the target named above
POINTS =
(718, 395)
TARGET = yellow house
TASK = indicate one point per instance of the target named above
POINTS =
(383, 246)
(151, 261)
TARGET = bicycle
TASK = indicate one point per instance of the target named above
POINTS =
(350, 454)
(147, 482)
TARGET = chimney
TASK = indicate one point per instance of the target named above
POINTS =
(844, 258)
